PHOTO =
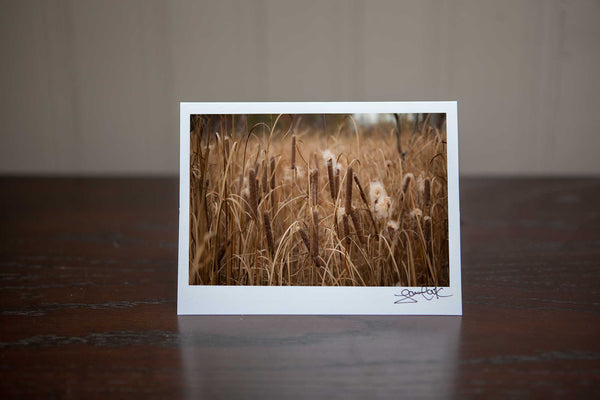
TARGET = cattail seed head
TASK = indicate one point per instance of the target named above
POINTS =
(346, 229)
(293, 152)
(406, 181)
(273, 173)
(427, 228)
(304, 237)
(357, 225)
(427, 192)
(253, 196)
(337, 179)
(392, 228)
(415, 217)
(314, 249)
(416, 213)
(265, 175)
(314, 186)
(348, 204)
(331, 179)
(269, 233)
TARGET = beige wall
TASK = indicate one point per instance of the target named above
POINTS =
(93, 87)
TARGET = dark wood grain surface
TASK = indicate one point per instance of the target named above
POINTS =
(88, 305)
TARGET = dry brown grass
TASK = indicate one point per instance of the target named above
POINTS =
(272, 207)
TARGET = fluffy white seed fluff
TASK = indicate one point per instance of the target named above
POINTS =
(328, 155)
(383, 208)
(416, 213)
(393, 225)
(376, 192)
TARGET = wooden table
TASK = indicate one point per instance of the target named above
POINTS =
(88, 289)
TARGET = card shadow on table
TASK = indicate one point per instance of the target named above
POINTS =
(319, 356)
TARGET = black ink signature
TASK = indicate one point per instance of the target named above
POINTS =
(408, 296)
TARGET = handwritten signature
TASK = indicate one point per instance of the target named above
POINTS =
(407, 296)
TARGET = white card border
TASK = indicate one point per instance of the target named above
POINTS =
(311, 300)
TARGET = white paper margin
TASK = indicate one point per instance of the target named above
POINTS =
(290, 300)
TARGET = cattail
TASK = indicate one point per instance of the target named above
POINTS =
(314, 249)
(415, 216)
(392, 228)
(264, 182)
(331, 162)
(346, 230)
(316, 159)
(426, 192)
(406, 181)
(272, 173)
(269, 233)
(337, 179)
(293, 151)
(331, 179)
(253, 199)
(427, 229)
(417, 213)
(357, 225)
(348, 199)
(328, 155)
(314, 183)
(304, 237)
